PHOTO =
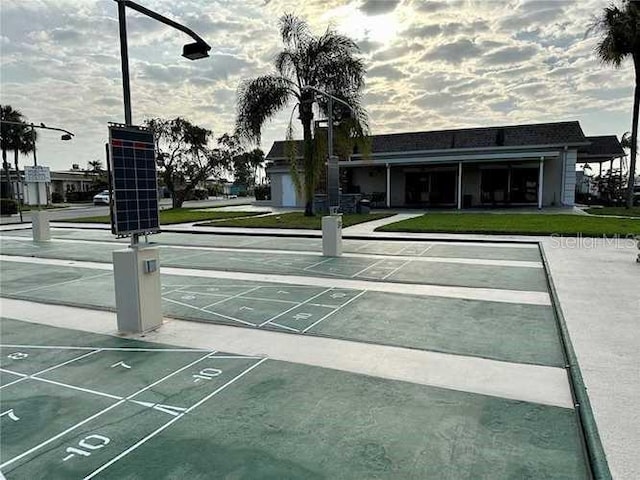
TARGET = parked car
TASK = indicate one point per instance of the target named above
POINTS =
(101, 198)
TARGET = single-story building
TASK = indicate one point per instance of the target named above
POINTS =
(515, 165)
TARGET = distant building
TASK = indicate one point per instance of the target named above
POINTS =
(472, 167)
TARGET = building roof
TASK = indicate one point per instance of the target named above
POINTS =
(606, 146)
(559, 133)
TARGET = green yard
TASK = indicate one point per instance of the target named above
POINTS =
(620, 211)
(517, 224)
(297, 220)
(176, 215)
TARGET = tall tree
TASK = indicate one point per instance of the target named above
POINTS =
(17, 138)
(183, 156)
(329, 62)
(619, 29)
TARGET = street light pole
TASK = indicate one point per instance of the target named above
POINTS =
(124, 56)
(333, 188)
(33, 138)
(67, 135)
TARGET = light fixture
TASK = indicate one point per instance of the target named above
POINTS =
(195, 50)
(65, 136)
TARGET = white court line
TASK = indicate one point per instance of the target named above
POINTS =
(529, 297)
(426, 249)
(114, 349)
(208, 311)
(419, 258)
(394, 270)
(50, 368)
(317, 263)
(365, 269)
(363, 246)
(170, 422)
(60, 384)
(101, 412)
(284, 327)
(241, 357)
(231, 297)
(329, 314)
(295, 306)
(58, 284)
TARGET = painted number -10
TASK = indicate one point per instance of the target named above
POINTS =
(87, 445)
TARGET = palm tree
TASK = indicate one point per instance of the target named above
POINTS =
(95, 166)
(328, 62)
(619, 29)
(18, 138)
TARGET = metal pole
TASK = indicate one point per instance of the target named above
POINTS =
(35, 162)
(540, 180)
(33, 137)
(459, 199)
(19, 194)
(388, 202)
(330, 129)
(124, 56)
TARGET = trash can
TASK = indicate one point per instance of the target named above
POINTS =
(365, 206)
(466, 201)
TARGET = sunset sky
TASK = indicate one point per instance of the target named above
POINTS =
(431, 65)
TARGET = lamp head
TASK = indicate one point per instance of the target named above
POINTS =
(196, 50)
(65, 136)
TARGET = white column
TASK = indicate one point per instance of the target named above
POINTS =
(388, 186)
(540, 178)
(459, 185)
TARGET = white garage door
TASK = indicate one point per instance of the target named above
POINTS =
(288, 192)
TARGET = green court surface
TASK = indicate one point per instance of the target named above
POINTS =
(488, 251)
(488, 273)
(77, 405)
(514, 332)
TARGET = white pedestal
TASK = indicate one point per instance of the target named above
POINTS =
(332, 236)
(40, 226)
(136, 273)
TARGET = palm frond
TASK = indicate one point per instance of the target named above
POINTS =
(293, 30)
(619, 30)
(258, 100)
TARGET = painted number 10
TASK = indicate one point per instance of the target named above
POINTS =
(206, 374)
(87, 444)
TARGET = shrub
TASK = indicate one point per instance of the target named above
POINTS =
(262, 192)
(8, 206)
(56, 197)
(80, 196)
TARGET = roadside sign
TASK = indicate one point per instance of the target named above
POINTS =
(37, 174)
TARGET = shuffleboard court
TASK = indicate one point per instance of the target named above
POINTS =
(454, 271)
(479, 250)
(81, 405)
(508, 331)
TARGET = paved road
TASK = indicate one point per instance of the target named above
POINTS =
(88, 210)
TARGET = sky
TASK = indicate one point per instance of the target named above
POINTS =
(430, 65)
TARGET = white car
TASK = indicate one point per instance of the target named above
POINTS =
(101, 198)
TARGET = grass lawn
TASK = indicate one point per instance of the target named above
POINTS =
(631, 212)
(174, 215)
(518, 224)
(28, 208)
(297, 220)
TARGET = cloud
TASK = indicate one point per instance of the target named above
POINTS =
(454, 52)
(378, 7)
(509, 55)
(448, 64)
(385, 71)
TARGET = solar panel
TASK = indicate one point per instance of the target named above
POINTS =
(134, 181)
